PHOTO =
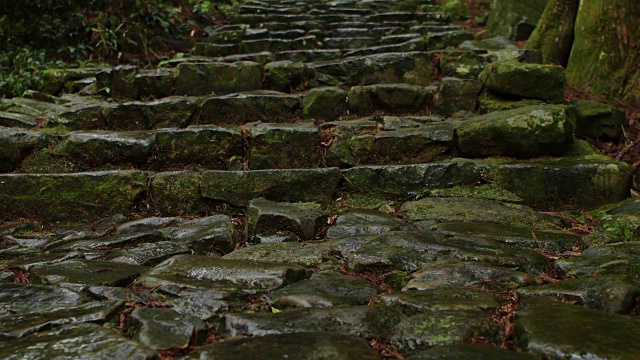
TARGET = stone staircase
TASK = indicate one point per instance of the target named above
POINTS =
(278, 187)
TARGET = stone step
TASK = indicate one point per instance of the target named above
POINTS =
(567, 183)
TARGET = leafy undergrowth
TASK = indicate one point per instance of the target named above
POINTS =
(36, 35)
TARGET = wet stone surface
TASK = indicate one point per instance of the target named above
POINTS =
(317, 180)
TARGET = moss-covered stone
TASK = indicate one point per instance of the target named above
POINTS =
(619, 258)
(361, 221)
(326, 104)
(298, 253)
(471, 351)
(433, 328)
(445, 39)
(404, 146)
(118, 82)
(89, 116)
(410, 250)
(238, 109)
(456, 9)
(453, 95)
(16, 145)
(287, 346)
(362, 320)
(520, 236)
(223, 275)
(460, 64)
(485, 191)
(99, 150)
(137, 115)
(283, 146)
(529, 81)
(289, 185)
(10, 119)
(266, 218)
(207, 147)
(611, 293)
(175, 193)
(447, 274)
(565, 182)
(514, 19)
(199, 79)
(156, 85)
(85, 272)
(70, 197)
(409, 180)
(597, 120)
(286, 76)
(77, 340)
(390, 68)
(392, 98)
(437, 210)
(524, 132)
(56, 81)
(488, 105)
(160, 328)
(560, 330)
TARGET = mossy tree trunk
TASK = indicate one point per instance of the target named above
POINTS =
(605, 56)
(554, 33)
(604, 44)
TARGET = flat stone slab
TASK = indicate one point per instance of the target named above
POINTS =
(204, 272)
(408, 251)
(432, 328)
(315, 345)
(160, 328)
(207, 235)
(85, 272)
(324, 289)
(611, 293)
(21, 298)
(522, 236)
(300, 253)
(620, 258)
(75, 341)
(442, 299)
(471, 351)
(560, 330)
(430, 210)
(364, 321)
(469, 274)
(21, 324)
(364, 222)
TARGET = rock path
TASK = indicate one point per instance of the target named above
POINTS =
(348, 179)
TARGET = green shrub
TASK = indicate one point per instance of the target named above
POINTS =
(21, 70)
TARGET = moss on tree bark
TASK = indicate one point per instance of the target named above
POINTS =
(554, 33)
(603, 44)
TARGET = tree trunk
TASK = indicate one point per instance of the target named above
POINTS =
(605, 55)
(553, 35)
